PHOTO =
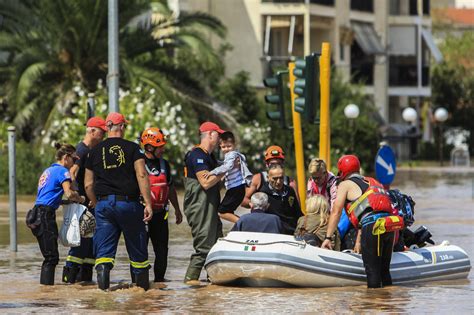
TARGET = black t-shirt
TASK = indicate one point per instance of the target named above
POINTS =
(198, 160)
(153, 167)
(112, 162)
(82, 151)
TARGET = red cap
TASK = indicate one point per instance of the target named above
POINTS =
(210, 126)
(115, 119)
(96, 122)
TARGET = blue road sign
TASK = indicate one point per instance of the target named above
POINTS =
(385, 165)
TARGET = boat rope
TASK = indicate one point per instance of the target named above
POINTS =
(292, 243)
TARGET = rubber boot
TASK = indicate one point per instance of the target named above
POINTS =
(143, 280)
(86, 273)
(70, 274)
(132, 275)
(103, 276)
(47, 275)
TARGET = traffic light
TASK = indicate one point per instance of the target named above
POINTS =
(276, 98)
(307, 86)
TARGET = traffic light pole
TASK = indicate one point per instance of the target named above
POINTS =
(298, 138)
(324, 127)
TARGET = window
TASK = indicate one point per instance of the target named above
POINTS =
(362, 5)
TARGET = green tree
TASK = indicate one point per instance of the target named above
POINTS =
(453, 83)
(46, 47)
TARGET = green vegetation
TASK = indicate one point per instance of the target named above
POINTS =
(53, 53)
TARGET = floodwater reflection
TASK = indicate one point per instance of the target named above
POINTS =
(444, 205)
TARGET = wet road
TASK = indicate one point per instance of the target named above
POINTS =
(445, 205)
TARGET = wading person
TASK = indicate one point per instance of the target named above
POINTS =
(53, 183)
(368, 208)
(201, 199)
(282, 199)
(114, 179)
(162, 191)
(80, 260)
(274, 156)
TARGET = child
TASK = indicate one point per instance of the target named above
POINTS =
(313, 226)
(236, 179)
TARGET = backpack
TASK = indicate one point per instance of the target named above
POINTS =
(404, 204)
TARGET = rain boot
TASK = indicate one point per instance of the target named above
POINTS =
(143, 280)
(70, 274)
(132, 275)
(86, 273)
(103, 276)
(47, 274)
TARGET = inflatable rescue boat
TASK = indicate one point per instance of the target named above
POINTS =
(269, 260)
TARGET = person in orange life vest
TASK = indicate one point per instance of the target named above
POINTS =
(274, 156)
(367, 204)
(53, 183)
(162, 190)
(80, 260)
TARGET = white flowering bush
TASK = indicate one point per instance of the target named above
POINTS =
(143, 108)
(254, 140)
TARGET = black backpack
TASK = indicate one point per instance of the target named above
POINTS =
(404, 204)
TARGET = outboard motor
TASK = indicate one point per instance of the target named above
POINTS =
(420, 237)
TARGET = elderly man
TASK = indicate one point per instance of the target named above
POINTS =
(258, 220)
(201, 199)
(114, 179)
(80, 260)
(282, 199)
(274, 156)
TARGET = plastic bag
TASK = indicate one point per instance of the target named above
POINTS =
(70, 234)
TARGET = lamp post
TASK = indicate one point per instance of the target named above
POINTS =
(441, 114)
(410, 115)
(351, 112)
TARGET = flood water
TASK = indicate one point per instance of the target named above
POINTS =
(445, 204)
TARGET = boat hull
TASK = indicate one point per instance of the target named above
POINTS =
(262, 259)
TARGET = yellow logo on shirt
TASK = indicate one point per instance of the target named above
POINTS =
(116, 154)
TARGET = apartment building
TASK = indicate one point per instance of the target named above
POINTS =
(386, 44)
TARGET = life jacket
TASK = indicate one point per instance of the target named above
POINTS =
(158, 186)
(285, 205)
(374, 199)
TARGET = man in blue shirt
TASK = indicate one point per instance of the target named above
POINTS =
(258, 220)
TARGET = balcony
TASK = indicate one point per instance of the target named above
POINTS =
(408, 7)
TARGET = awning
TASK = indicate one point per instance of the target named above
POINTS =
(402, 40)
(431, 45)
(367, 38)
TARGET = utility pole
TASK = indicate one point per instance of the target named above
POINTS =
(113, 49)
(12, 186)
(325, 127)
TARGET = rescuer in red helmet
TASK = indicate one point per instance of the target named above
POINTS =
(369, 209)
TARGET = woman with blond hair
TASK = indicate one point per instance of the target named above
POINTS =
(313, 226)
(321, 182)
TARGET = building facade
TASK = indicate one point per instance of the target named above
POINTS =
(384, 44)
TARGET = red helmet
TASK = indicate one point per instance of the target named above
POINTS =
(274, 152)
(348, 164)
(153, 137)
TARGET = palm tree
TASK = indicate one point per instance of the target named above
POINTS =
(48, 46)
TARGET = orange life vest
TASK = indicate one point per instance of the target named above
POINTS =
(374, 199)
(158, 187)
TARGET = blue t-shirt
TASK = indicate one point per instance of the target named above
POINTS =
(198, 160)
(50, 189)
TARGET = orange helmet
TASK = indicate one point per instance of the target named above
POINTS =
(274, 152)
(153, 137)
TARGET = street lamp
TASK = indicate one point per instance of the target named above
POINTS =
(410, 115)
(351, 112)
(441, 114)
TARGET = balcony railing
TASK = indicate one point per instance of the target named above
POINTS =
(322, 2)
